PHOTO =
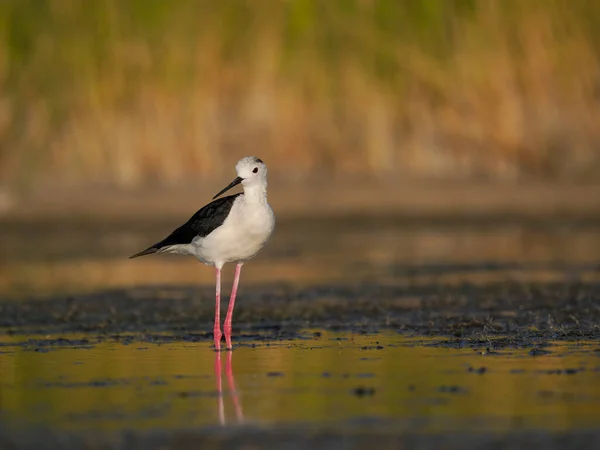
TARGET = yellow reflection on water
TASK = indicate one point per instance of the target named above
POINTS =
(145, 385)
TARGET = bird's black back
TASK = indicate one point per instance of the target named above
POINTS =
(201, 224)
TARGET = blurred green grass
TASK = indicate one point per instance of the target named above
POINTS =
(148, 91)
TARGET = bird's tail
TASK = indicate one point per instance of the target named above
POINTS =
(148, 251)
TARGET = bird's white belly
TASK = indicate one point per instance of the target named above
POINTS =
(239, 238)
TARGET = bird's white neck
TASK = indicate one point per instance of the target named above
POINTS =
(256, 193)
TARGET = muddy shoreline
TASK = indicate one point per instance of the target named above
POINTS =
(511, 313)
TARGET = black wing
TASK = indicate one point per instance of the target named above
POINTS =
(200, 224)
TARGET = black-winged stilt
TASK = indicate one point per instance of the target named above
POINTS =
(230, 229)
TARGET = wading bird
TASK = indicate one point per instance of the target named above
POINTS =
(229, 229)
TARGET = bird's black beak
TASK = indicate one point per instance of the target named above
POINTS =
(235, 182)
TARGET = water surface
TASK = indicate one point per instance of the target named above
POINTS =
(84, 383)
(70, 257)
(512, 308)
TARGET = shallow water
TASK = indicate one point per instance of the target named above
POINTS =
(64, 258)
(534, 285)
(387, 381)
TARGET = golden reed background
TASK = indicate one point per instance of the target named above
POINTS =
(149, 91)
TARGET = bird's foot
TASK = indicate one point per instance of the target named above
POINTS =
(227, 330)
(218, 335)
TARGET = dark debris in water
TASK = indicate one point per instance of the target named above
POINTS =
(196, 394)
(365, 375)
(569, 371)
(452, 389)
(64, 383)
(275, 374)
(493, 344)
(109, 382)
(41, 350)
(539, 352)
(362, 391)
(481, 370)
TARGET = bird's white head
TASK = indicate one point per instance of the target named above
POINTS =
(251, 172)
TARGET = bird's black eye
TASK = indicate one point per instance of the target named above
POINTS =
(255, 170)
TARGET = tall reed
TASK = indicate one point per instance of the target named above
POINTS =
(145, 91)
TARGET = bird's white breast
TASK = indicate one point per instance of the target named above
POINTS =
(245, 231)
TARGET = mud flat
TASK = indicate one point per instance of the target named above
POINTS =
(513, 312)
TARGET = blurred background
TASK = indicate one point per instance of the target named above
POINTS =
(119, 119)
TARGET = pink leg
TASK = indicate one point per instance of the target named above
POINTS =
(218, 371)
(217, 327)
(227, 325)
(231, 382)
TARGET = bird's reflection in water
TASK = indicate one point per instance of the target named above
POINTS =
(239, 415)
